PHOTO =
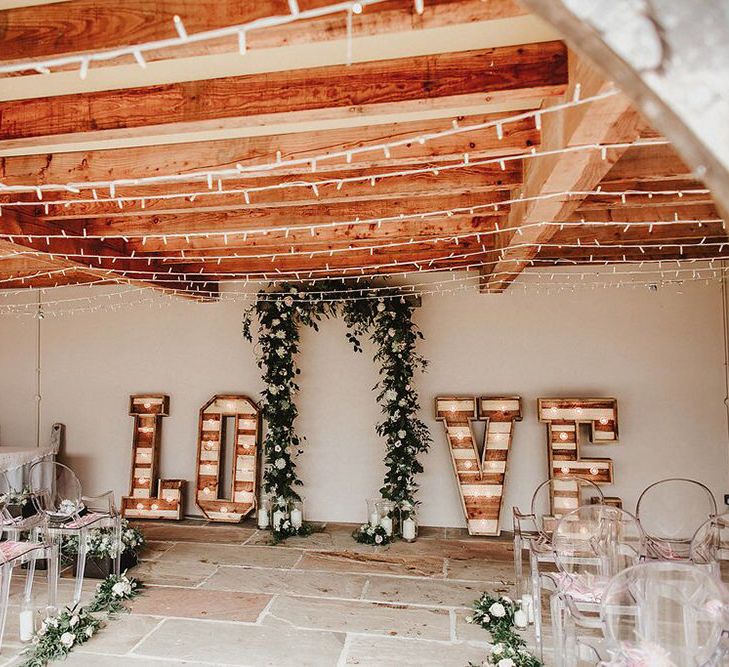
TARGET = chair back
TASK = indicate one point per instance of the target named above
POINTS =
(6, 491)
(710, 543)
(595, 542)
(670, 512)
(658, 609)
(56, 490)
(559, 496)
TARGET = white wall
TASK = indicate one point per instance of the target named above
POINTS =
(660, 353)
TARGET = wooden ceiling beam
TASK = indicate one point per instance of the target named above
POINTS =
(664, 214)
(64, 28)
(372, 234)
(610, 120)
(145, 162)
(378, 87)
(648, 163)
(78, 253)
(463, 181)
(295, 216)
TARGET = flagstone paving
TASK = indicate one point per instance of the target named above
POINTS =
(225, 595)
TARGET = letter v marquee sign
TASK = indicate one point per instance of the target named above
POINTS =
(480, 477)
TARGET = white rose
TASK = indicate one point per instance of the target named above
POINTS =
(486, 618)
(280, 463)
(67, 639)
(289, 301)
(89, 631)
(380, 307)
(497, 609)
(121, 588)
(505, 662)
(391, 333)
(74, 621)
(53, 622)
(401, 434)
(275, 322)
(378, 539)
(497, 648)
(273, 389)
(520, 619)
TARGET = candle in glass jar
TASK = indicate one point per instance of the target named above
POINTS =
(26, 625)
(528, 606)
(386, 523)
(296, 518)
(408, 529)
(374, 519)
(278, 518)
(263, 518)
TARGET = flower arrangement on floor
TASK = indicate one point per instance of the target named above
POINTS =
(369, 534)
(101, 542)
(72, 626)
(388, 322)
(500, 615)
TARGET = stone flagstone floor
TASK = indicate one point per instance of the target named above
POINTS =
(222, 595)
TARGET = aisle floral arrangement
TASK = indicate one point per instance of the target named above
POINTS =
(388, 323)
(500, 615)
(73, 626)
(101, 542)
(369, 534)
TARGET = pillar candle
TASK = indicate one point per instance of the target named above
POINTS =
(263, 518)
(296, 518)
(278, 518)
(408, 529)
(374, 519)
(26, 625)
(386, 523)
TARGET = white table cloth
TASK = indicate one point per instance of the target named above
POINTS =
(16, 461)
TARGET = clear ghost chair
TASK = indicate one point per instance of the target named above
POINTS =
(14, 553)
(57, 494)
(664, 613)
(552, 500)
(16, 526)
(710, 544)
(591, 545)
(670, 512)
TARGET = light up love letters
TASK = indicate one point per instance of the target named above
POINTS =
(245, 423)
(563, 417)
(480, 477)
(142, 503)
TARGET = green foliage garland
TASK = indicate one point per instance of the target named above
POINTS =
(59, 634)
(499, 615)
(388, 323)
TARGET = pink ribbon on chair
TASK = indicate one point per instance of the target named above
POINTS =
(580, 590)
(644, 655)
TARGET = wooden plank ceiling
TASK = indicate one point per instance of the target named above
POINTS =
(203, 107)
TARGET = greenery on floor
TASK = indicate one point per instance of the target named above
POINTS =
(61, 633)
(388, 323)
(500, 615)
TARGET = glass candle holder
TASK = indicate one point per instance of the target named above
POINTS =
(409, 525)
(297, 513)
(264, 513)
(373, 512)
(386, 510)
(279, 515)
